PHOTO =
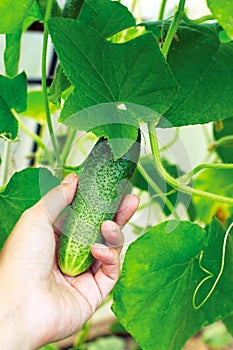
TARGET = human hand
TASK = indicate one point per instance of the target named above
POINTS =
(38, 304)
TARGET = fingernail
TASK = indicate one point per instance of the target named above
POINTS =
(109, 225)
(69, 178)
(99, 246)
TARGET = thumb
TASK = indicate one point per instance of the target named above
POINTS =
(51, 205)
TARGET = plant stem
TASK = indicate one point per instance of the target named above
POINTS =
(162, 9)
(200, 167)
(133, 5)
(175, 183)
(223, 141)
(30, 133)
(197, 20)
(37, 139)
(44, 84)
(5, 162)
(66, 149)
(156, 188)
(172, 30)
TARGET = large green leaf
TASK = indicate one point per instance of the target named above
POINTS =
(107, 17)
(153, 298)
(202, 66)
(13, 13)
(13, 95)
(218, 181)
(222, 11)
(110, 76)
(24, 189)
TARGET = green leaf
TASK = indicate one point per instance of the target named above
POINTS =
(217, 181)
(14, 91)
(107, 17)
(13, 41)
(104, 74)
(72, 8)
(222, 11)
(13, 13)
(8, 123)
(24, 189)
(222, 129)
(13, 95)
(12, 52)
(35, 106)
(202, 66)
(153, 298)
(56, 10)
(59, 84)
(106, 343)
(228, 321)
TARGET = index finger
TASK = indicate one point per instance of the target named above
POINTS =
(127, 208)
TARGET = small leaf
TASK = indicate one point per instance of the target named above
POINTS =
(24, 189)
(13, 95)
(8, 123)
(14, 91)
(12, 52)
(222, 11)
(59, 84)
(13, 13)
(13, 41)
(160, 273)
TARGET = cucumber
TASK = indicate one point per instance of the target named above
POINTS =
(102, 185)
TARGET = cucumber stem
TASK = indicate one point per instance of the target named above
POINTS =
(176, 183)
(162, 10)
(44, 83)
(5, 162)
(197, 20)
(156, 188)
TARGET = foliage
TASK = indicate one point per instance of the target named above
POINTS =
(116, 74)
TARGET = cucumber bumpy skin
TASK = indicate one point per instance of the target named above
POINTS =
(102, 185)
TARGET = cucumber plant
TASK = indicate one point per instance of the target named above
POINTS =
(117, 74)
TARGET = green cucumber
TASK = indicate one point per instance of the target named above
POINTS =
(102, 185)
